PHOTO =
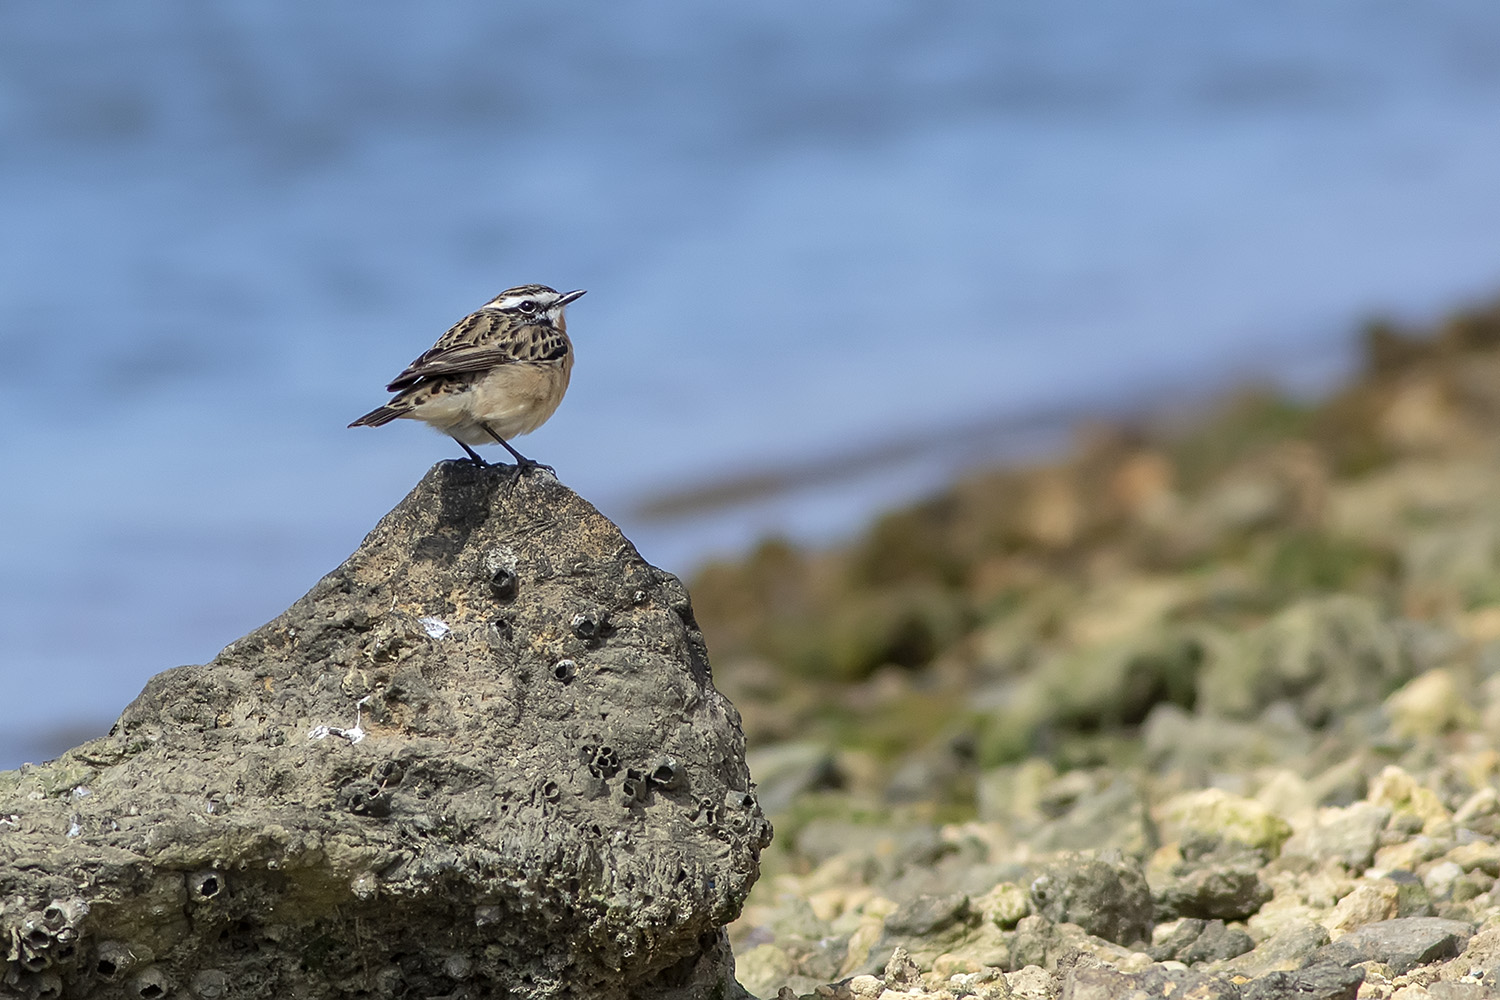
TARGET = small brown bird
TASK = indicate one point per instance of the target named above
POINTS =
(497, 373)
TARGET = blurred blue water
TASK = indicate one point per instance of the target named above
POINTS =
(803, 227)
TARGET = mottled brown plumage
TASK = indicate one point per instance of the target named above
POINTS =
(499, 372)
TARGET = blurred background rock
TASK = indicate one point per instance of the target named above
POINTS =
(1257, 655)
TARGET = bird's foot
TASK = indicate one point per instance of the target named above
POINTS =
(526, 467)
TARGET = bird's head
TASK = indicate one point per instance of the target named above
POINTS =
(533, 304)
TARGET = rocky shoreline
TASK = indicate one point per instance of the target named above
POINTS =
(1208, 710)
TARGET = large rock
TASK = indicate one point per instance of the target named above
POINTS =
(483, 757)
(1108, 897)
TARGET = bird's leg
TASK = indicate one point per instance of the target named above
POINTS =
(473, 455)
(524, 465)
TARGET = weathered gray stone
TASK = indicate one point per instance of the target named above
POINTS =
(1217, 943)
(1170, 945)
(1285, 951)
(1402, 943)
(927, 915)
(1348, 836)
(1326, 655)
(1031, 982)
(1034, 942)
(1196, 940)
(483, 757)
(1107, 898)
(1323, 981)
(1210, 890)
(1100, 982)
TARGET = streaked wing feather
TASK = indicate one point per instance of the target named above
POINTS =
(471, 331)
(464, 349)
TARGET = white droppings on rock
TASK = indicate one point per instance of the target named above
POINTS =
(353, 734)
(436, 627)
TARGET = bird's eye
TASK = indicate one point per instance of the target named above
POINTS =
(527, 306)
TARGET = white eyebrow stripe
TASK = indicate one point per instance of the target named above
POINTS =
(511, 301)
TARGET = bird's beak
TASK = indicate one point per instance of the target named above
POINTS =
(569, 298)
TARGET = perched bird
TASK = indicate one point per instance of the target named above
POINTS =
(497, 373)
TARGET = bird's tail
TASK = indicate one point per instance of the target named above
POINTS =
(380, 416)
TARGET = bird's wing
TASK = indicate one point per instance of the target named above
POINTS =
(480, 342)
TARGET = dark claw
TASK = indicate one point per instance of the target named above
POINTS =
(526, 468)
(523, 466)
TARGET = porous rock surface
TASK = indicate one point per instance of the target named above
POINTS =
(483, 757)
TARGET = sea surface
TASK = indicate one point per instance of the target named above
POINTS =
(806, 230)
